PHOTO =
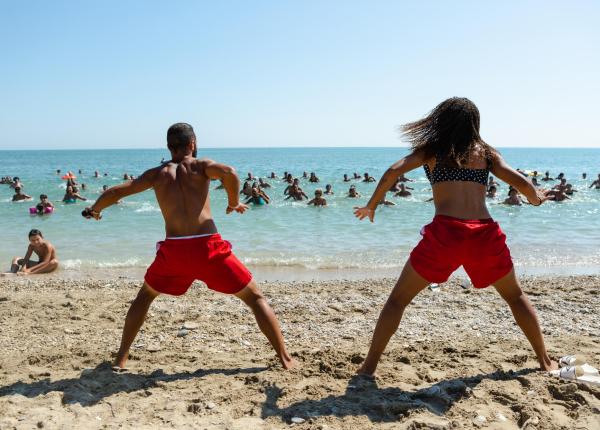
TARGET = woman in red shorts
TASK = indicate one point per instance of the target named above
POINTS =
(457, 162)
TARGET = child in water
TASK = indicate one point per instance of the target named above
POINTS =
(318, 200)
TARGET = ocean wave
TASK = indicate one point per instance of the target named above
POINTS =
(75, 264)
(147, 207)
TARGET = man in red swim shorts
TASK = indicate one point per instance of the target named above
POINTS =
(192, 250)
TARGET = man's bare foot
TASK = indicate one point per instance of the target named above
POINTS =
(120, 361)
(365, 371)
(288, 362)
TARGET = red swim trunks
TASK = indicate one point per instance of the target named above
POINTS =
(181, 261)
(448, 243)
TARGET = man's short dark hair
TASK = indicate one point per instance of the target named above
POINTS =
(179, 136)
(35, 232)
(43, 196)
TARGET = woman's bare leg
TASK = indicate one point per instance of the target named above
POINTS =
(134, 320)
(525, 316)
(408, 286)
(267, 321)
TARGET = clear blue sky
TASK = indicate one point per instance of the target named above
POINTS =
(88, 74)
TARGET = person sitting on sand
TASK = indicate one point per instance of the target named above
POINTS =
(319, 200)
(491, 193)
(328, 189)
(596, 183)
(182, 189)
(457, 162)
(547, 177)
(263, 184)
(346, 178)
(296, 193)
(513, 198)
(72, 195)
(352, 193)
(313, 178)
(368, 178)
(47, 261)
(20, 196)
(403, 192)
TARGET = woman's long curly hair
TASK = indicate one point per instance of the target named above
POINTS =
(450, 133)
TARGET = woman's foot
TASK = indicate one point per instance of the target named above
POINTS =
(288, 362)
(548, 365)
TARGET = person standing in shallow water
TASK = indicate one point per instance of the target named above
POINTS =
(457, 162)
(192, 250)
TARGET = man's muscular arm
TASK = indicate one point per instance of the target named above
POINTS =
(230, 180)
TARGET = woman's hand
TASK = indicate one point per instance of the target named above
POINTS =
(364, 212)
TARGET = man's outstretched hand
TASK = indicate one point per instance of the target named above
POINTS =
(88, 213)
(365, 212)
(240, 208)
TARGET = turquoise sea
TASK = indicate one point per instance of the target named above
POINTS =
(555, 238)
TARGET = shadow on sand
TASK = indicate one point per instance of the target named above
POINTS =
(364, 398)
(93, 385)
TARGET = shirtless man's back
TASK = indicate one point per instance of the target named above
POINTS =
(192, 250)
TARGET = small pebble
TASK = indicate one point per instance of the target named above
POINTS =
(298, 420)
(183, 332)
(210, 405)
(190, 326)
(501, 417)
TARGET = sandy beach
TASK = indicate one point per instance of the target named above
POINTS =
(458, 360)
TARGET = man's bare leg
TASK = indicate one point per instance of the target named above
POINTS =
(39, 269)
(15, 265)
(267, 321)
(134, 320)
(525, 316)
(408, 286)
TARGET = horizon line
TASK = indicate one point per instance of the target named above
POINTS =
(283, 147)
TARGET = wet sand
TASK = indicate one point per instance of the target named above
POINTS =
(457, 361)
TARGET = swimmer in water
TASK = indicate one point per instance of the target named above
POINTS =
(16, 183)
(44, 202)
(403, 192)
(250, 177)
(304, 175)
(272, 175)
(596, 183)
(569, 190)
(295, 183)
(492, 181)
(72, 195)
(328, 189)
(319, 200)
(352, 193)
(263, 184)
(562, 186)
(357, 176)
(584, 176)
(246, 189)
(384, 202)
(403, 178)
(96, 174)
(513, 198)
(47, 261)
(559, 195)
(535, 182)
(547, 177)
(296, 193)
(346, 178)
(19, 196)
(313, 178)
(367, 178)
(257, 198)
(491, 193)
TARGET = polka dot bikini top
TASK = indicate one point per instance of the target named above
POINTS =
(445, 173)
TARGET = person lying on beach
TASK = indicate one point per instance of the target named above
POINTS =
(296, 193)
(513, 198)
(257, 198)
(547, 177)
(346, 178)
(313, 178)
(596, 183)
(352, 193)
(328, 189)
(403, 192)
(193, 249)
(45, 251)
(491, 193)
(263, 184)
(368, 178)
(20, 196)
(319, 200)
(457, 162)
(72, 195)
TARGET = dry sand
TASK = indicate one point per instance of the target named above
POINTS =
(458, 360)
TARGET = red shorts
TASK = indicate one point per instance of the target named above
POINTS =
(179, 262)
(448, 243)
